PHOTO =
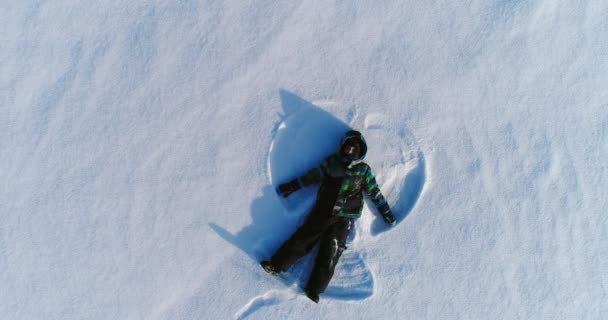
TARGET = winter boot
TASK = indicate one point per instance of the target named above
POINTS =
(269, 267)
(312, 296)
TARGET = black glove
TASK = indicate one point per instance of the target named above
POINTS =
(288, 188)
(387, 215)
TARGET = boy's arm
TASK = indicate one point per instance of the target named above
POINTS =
(373, 191)
(313, 176)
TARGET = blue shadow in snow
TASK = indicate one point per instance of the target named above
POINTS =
(303, 137)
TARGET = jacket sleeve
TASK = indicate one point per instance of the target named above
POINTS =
(314, 175)
(373, 192)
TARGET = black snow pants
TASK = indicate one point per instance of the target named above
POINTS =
(321, 226)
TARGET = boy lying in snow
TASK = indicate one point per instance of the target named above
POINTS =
(344, 178)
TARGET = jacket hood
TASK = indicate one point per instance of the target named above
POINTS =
(353, 134)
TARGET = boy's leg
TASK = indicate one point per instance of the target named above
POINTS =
(300, 243)
(333, 243)
(309, 233)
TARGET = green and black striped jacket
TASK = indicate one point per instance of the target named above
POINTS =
(356, 179)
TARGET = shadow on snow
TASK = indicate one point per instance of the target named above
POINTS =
(303, 137)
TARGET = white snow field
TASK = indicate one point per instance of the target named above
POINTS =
(141, 143)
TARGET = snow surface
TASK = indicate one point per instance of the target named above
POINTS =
(141, 143)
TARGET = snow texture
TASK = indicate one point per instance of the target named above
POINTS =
(141, 143)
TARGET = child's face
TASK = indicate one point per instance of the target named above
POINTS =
(351, 148)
